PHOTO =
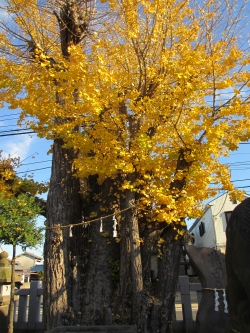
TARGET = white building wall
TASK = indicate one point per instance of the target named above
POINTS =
(215, 223)
(222, 205)
(208, 238)
(5, 289)
(27, 260)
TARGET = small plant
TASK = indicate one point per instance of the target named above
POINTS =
(41, 276)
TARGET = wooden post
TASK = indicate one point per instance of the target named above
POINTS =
(34, 305)
(186, 303)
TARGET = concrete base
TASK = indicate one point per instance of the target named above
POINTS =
(93, 329)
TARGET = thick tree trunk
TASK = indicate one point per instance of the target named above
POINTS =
(101, 267)
(165, 285)
(131, 284)
(130, 290)
(89, 278)
(145, 299)
(61, 279)
(151, 306)
(131, 280)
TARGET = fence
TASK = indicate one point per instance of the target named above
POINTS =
(28, 306)
(190, 298)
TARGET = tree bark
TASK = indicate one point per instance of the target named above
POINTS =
(165, 285)
(101, 266)
(61, 282)
(148, 303)
(130, 287)
(12, 292)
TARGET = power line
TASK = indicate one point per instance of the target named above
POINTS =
(243, 162)
(35, 162)
(8, 125)
(7, 115)
(9, 119)
(239, 180)
(33, 170)
(238, 169)
(242, 186)
(16, 130)
(17, 134)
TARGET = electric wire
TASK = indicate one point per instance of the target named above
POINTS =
(9, 126)
(16, 130)
(9, 119)
(7, 115)
(31, 132)
(35, 162)
(32, 170)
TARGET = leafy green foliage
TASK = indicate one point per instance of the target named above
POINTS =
(18, 227)
(41, 275)
(18, 221)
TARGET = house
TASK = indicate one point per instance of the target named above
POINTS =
(36, 272)
(209, 229)
(20, 273)
(28, 260)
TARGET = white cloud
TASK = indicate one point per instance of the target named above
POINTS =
(18, 146)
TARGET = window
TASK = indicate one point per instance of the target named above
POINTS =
(202, 228)
(228, 215)
(26, 278)
(192, 238)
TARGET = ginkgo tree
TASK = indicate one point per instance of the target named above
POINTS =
(141, 98)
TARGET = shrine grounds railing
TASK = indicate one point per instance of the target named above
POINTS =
(29, 307)
(187, 301)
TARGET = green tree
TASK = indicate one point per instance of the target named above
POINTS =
(18, 227)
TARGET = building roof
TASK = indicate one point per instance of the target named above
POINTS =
(29, 254)
(36, 268)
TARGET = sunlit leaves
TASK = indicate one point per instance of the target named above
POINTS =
(11, 185)
(7, 173)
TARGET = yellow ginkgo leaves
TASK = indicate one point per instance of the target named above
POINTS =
(156, 91)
